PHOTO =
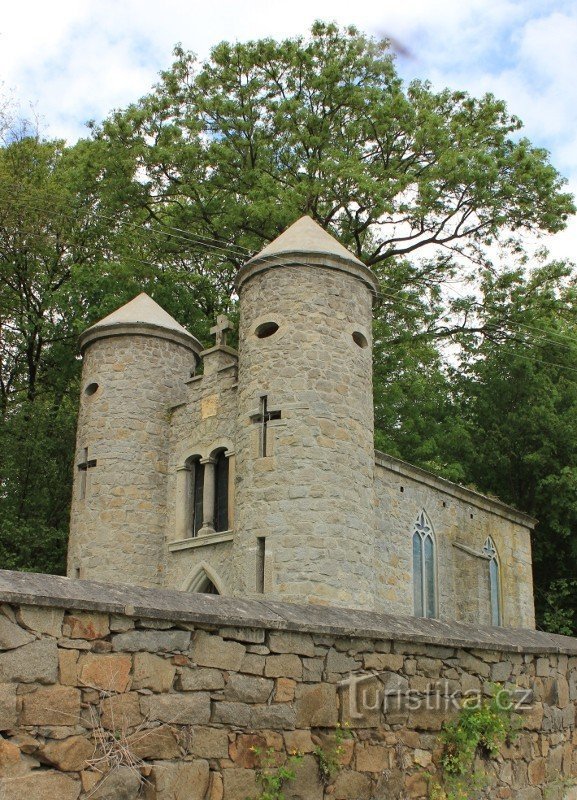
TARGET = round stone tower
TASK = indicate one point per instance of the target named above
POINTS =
(305, 452)
(136, 362)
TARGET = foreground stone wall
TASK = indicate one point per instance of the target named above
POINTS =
(178, 689)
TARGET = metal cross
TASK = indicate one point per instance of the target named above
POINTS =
(84, 466)
(223, 324)
(263, 418)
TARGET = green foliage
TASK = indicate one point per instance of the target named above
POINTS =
(481, 728)
(273, 776)
(329, 756)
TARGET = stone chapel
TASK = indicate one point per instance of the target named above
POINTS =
(253, 473)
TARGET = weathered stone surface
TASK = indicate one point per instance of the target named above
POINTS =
(195, 680)
(51, 705)
(239, 784)
(184, 781)
(121, 783)
(275, 717)
(209, 742)
(352, 786)
(284, 691)
(33, 663)
(42, 620)
(152, 672)
(109, 672)
(43, 785)
(86, 625)
(306, 784)
(152, 743)
(248, 689)
(12, 765)
(299, 643)
(208, 650)
(68, 755)
(121, 712)
(67, 666)
(12, 635)
(283, 666)
(316, 706)
(248, 635)
(237, 715)
(178, 709)
(152, 641)
(8, 715)
(373, 758)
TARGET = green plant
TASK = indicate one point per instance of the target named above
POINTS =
(482, 726)
(273, 776)
(329, 757)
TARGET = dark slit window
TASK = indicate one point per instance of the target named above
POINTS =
(197, 497)
(221, 477)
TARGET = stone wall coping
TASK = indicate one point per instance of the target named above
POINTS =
(216, 612)
(492, 504)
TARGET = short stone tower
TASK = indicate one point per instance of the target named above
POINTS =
(305, 453)
(136, 361)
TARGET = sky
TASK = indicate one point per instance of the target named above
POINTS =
(69, 61)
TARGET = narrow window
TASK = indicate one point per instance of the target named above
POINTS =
(494, 581)
(260, 561)
(221, 492)
(197, 493)
(424, 568)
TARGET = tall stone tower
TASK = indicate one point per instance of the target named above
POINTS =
(136, 362)
(305, 452)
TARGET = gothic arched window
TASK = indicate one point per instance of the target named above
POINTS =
(494, 581)
(196, 494)
(424, 568)
(221, 474)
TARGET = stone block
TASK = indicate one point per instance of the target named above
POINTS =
(501, 671)
(284, 666)
(243, 751)
(154, 743)
(253, 664)
(152, 672)
(248, 635)
(340, 663)
(239, 784)
(121, 712)
(36, 662)
(42, 620)
(177, 709)
(316, 706)
(273, 717)
(51, 705)
(209, 742)
(121, 783)
(8, 714)
(108, 672)
(12, 636)
(120, 624)
(235, 714)
(67, 667)
(208, 650)
(470, 663)
(151, 641)
(288, 642)
(284, 690)
(12, 766)
(299, 741)
(383, 661)
(187, 780)
(306, 783)
(248, 689)
(68, 755)
(86, 625)
(43, 785)
(373, 758)
(352, 786)
(195, 680)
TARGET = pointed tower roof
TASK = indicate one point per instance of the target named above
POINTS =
(140, 316)
(305, 243)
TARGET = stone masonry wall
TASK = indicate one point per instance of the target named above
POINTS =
(180, 689)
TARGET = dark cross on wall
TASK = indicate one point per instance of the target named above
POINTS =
(84, 466)
(263, 418)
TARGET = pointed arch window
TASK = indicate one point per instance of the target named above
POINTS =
(221, 477)
(490, 551)
(424, 568)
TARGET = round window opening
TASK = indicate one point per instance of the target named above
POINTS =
(266, 329)
(91, 389)
(360, 339)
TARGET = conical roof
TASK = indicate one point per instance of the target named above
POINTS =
(306, 236)
(306, 243)
(144, 315)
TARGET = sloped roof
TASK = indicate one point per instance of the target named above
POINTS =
(306, 236)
